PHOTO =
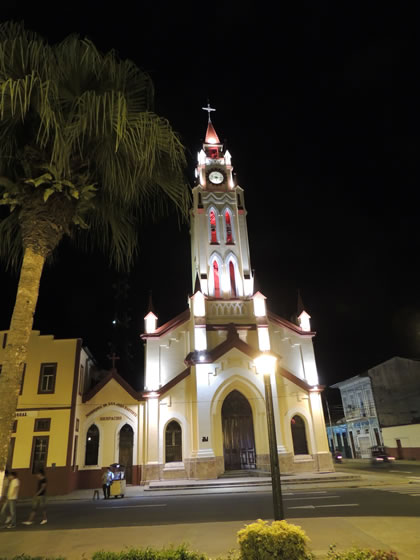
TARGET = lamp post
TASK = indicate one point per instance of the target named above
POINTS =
(266, 364)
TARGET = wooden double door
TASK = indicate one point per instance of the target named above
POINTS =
(238, 433)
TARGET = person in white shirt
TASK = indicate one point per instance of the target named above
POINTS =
(12, 496)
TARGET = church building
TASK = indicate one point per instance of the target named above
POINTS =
(202, 411)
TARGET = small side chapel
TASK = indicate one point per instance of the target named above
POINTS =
(202, 412)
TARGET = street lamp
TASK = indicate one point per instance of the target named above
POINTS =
(266, 364)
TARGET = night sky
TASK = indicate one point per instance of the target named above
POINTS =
(319, 107)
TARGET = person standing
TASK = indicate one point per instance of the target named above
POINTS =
(106, 482)
(39, 500)
(11, 499)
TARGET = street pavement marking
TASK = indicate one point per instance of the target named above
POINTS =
(124, 507)
(314, 498)
(405, 472)
(324, 505)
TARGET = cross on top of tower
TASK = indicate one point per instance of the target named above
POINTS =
(209, 110)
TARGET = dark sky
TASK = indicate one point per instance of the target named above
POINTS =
(319, 105)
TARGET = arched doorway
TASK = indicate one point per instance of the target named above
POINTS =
(300, 444)
(126, 451)
(238, 433)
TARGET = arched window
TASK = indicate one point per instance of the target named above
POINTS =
(228, 225)
(213, 227)
(233, 291)
(300, 444)
(92, 445)
(173, 443)
(216, 279)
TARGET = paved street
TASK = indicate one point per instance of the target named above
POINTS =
(379, 509)
(161, 510)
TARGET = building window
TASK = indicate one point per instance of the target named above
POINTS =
(14, 426)
(300, 444)
(4, 340)
(216, 279)
(42, 424)
(92, 445)
(228, 225)
(213, 227)
(47, 378)
(39, 453)
(77, 424)
(22, 381)
(232, 279)
(76, 439)
(10, 453)
(173, 443)
(81, 380)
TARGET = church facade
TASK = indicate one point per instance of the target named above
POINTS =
(203, 411)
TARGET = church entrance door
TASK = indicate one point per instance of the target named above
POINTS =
(126, 451)
(238, 433)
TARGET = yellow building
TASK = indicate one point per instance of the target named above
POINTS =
(203, 408)
(45, 429)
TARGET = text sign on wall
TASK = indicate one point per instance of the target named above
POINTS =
(110, 418)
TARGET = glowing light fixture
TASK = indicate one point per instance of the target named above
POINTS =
(150, 322)
(265, 363)
(259, 305)
(304, 321)
(199, 304)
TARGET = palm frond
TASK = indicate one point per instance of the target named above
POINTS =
(11, 241)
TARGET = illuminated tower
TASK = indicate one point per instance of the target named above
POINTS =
(219, 237)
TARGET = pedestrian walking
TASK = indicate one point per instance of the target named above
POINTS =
(3, 499)
(39, 500)
(107, 478)
(11, 499)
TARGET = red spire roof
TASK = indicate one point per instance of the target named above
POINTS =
(211, 136)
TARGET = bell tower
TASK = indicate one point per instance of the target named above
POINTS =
(219, 238)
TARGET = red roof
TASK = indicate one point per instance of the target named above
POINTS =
(211, 136)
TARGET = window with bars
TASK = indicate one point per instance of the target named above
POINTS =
(39, 453)
(173, 443)
(47, 378)
(42, 425)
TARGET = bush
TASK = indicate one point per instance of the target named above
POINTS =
(361, 554)
(178, 553)
(278, 541)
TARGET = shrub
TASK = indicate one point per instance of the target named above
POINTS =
(361, 554)
(178, 553)
(278, 541)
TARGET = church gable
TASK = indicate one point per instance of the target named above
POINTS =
(112, 388)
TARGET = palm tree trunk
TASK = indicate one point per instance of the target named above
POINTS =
(17, 346)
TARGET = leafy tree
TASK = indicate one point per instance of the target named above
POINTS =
(82, 155)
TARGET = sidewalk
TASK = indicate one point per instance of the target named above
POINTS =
(397, 533)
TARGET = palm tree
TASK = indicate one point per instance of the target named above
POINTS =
(82, 155)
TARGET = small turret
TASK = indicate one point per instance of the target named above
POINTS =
(150, 320)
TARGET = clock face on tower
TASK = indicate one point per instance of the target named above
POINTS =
(216, 177)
